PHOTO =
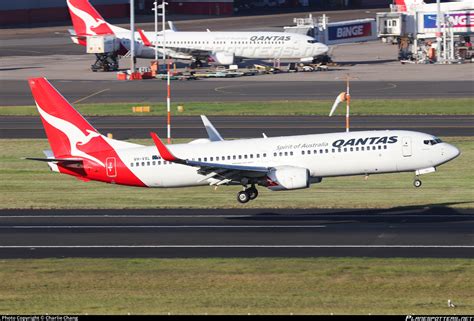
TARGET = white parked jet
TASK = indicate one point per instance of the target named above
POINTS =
(222, 47)
(279, 163)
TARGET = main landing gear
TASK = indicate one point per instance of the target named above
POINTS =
(247, 194)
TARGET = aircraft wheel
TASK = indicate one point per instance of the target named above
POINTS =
(417, 183)
(243, 197)
(253, 193)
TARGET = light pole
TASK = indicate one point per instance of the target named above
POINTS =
(132, 36)
(155, 8)
(163, 21)
(168, 97)
(438, 32)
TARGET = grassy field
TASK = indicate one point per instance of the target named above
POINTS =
(461, 106)
(29, 184)
(237, 286)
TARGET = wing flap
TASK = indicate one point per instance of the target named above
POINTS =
(226, 172)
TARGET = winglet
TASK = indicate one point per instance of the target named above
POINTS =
(211, 130)
(145, 40)
(164, 152)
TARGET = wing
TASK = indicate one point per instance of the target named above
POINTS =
(221, 173)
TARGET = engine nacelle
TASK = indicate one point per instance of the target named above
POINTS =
(224, 58)
(288, 177)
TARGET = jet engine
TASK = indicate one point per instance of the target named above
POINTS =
(223, 58)
(288, 177)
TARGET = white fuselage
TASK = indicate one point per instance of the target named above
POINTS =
(226, 45)
(324, 155)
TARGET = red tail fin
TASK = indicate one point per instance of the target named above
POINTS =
(86, 20)
(69, 134)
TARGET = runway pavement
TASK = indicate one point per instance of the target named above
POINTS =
(246, 126)
(425, 231)
(17, 92)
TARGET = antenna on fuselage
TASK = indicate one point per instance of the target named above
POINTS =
(344, 96)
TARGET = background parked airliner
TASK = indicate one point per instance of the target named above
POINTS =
(279, 163)
(223, 47)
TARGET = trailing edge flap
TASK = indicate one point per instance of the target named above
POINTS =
(212, 132)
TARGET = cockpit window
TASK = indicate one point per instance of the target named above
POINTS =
(312, 41)
(433, 141)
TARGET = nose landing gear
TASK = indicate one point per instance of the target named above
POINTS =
(248, 194)
(417, 182)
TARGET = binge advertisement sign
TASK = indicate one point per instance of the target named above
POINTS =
(458, 20)
(356, 30)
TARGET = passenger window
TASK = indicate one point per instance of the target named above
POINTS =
(384, 146)
(143, 163)
(159, 162)
(245, 156)
(339, 150)
(131, 164)
(309, 152)
(380, 147)
(264, 155)
(211, 159)
(333, 150)
(137, 164)
(302, 152)
(281, 153)
(234, 157)
(258, 155)
(374, 147)
(251, 155)
(240, 156)
(315, 151)
(228, 157)
(286, 153)
(147, 163)
(217, 158)
(205, 159)
(153, 163)
(291, 153)
(345, 149)
(362, 148)
(199, 159)
(327, 151)
(352, 149)
(320, 151)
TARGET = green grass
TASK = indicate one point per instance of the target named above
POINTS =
(30, 184)
(460, 106)
(237, 286)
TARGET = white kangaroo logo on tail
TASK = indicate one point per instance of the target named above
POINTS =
(90, 21)
(74, 134)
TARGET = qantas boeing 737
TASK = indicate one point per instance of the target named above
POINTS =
(222, 47)
(277, 163)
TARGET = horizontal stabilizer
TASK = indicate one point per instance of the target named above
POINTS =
(56, 160)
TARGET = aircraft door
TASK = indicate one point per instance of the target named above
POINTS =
(111, 167)
(406, 146)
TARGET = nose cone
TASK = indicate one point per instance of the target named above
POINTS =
(451, 152)
(323, 49)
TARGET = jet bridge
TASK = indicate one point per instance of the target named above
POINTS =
(333, 33)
